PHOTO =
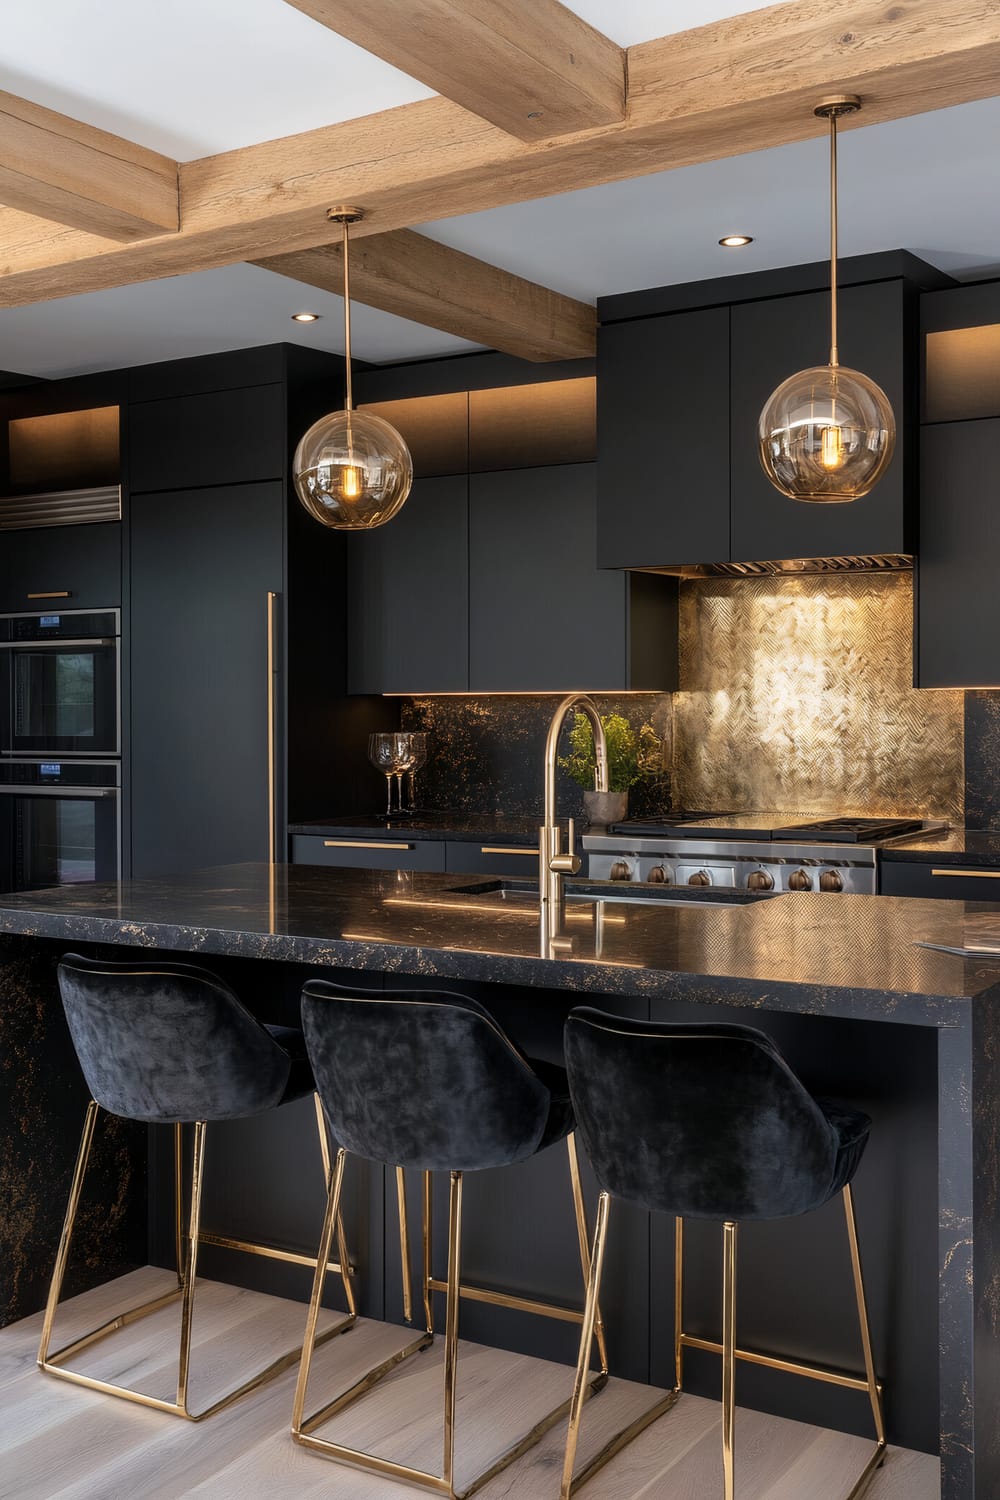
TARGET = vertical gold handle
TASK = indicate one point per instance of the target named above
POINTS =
(272, 784)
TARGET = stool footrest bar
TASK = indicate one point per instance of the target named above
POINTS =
(509, 1299)
(774, 1362)
(251, 1247)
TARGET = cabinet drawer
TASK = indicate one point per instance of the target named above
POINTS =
(491, 858)
(369, 854)
(948, 882)
(61, 567)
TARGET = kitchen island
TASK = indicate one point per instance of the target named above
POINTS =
(912, 1034)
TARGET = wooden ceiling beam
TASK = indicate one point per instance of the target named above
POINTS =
(72, 173)
(715, 92)
(417, 278)
(530, 67)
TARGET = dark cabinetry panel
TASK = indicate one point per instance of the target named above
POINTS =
(663, 440)
(772, 340)
(958, 605)
(85, 562)
(203, 562)
(408, 595)
(944, 881)
(216, 437)
(492, 858)
(542, 617)
(394, 852)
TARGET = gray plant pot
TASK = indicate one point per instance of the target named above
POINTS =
(602, 808)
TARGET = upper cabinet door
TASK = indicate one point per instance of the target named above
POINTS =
(663, 440)
(958, 606)
(772, 340)
(408, 595)
(217, 437)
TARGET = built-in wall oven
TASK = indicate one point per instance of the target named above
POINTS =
(60, 748)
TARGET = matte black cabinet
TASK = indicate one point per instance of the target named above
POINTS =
(492, 857)
(203, 562)
(394, 852)
(408, 595)
(663, 440)
(944, 881)
(542, 617)
(772, 340)
(84, 563)
(957, 596)
(214, 437)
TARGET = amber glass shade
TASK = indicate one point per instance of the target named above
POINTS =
(352, 470)
(827, 435)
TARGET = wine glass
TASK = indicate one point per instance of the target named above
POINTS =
(418, 751)
(382, 754)
(404, 761)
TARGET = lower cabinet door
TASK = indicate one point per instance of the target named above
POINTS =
(950, 882)
(490, 858)
(369, 854)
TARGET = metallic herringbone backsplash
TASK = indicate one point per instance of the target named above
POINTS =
(797, 695)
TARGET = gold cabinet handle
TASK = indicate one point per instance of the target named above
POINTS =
(272, 730)
(977, 874)
(362, 844)
(508, 849)
(51, 594)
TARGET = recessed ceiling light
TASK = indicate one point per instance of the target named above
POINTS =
(735, 241)
(306, 317)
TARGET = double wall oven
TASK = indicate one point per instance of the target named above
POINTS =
(60, 748)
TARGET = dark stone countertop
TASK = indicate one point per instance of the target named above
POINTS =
(804, 952)
(464, 827)
(957, 846)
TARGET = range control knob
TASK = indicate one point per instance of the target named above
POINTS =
(620, 870)
(659, 875)
(760, 880)
(800, 880)
(831, 880)
(700, 877)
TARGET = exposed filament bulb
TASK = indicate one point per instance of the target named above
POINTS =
(351, 485)
(831, 453)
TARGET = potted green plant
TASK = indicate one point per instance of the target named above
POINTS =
(631, 753)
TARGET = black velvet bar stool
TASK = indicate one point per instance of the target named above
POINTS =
(428, 1080)
(171, 1044)
(707, 1121)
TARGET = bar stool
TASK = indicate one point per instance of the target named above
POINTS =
(428, 1080)
(707, 1121)
(171, 1044)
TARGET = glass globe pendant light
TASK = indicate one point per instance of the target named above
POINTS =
(827, 434)
(352, 469)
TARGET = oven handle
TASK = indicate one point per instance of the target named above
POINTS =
(59, 791)
(90, 640)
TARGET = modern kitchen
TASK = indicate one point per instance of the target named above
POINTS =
(500, 750)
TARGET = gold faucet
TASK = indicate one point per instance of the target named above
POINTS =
(553, 863)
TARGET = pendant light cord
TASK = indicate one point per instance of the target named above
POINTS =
(349, 401)
(834, 351)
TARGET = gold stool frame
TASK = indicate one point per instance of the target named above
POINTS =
(187, 1260)
(304, 1428)
(729, 1351)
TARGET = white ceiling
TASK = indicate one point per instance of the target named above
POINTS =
(196, 76)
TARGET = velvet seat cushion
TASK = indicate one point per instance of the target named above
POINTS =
(705, 1120)
(428, 1079)
(171, 1043)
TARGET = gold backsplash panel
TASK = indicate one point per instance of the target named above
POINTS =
(797, 694)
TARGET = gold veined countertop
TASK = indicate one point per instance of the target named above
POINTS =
(807, 952)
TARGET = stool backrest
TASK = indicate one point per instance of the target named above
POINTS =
(421, 1078)
(168, 1042)
(703, 1120)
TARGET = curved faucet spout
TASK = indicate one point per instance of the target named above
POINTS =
(552, 862)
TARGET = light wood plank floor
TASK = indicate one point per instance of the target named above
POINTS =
(60, 1442)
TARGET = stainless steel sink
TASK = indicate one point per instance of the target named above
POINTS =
(524, 894)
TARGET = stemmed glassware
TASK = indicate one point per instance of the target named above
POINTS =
(418, 752)
(395, 754)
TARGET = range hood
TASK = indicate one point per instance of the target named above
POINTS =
(885, 562)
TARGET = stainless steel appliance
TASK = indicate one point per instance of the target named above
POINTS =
(750, 851)
(60, 822)
(60, 683)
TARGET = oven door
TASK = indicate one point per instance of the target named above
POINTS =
(58, 836)
(60, 696)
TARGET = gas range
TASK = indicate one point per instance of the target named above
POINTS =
(750, 851)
